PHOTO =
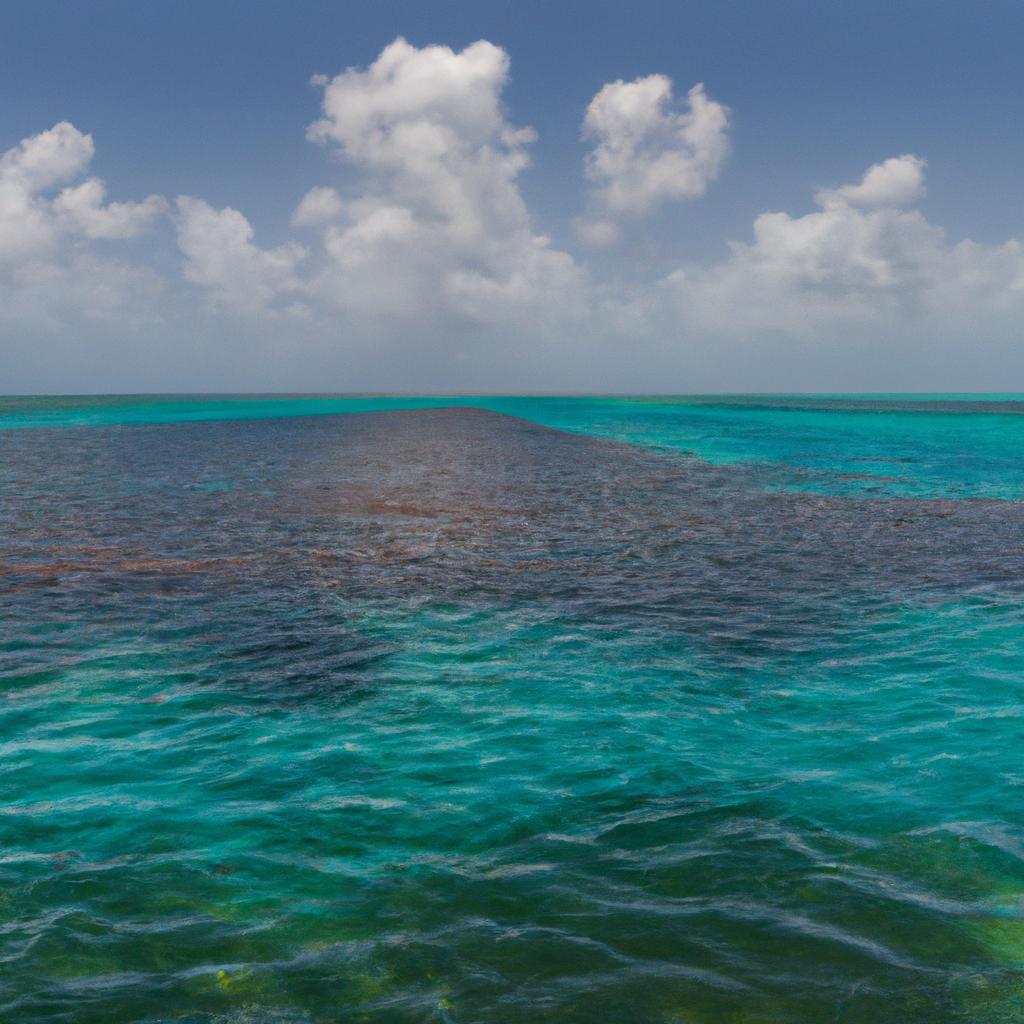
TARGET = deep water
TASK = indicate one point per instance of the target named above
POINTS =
(688, 711)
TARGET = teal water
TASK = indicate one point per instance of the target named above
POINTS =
(909, 445)
(687, 710)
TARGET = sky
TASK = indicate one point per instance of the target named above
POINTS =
(528, 196)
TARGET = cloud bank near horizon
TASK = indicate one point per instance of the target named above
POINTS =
(420, 265)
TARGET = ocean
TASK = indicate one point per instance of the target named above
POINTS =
(693, 710)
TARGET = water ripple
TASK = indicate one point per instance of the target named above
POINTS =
(449, 716)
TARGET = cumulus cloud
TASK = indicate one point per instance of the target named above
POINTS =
(317, 206)
(895, 182)
(648, 148)
(50, 275)
(859, 259)
(439, 225)
(84, 208)
(27, 171)
(424, 268)
(32, 222)
(44, 160)
(220, 256)
(432, 227)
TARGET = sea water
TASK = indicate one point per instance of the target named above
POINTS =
(511, 709)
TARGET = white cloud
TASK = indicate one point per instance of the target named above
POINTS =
(220, 255)
(27, 170)
(860, 260)
(32, 223)
(87, 288)
(895, 182)
(595, 232)
(317, 206)
(50, 275)
(434, 229)
(44, 160)
(648, 149)
(439, 226)
(83, 207)
(426, 269)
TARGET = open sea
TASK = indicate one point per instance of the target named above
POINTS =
(512, 710)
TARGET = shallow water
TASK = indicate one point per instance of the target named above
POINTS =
(444, 715)
(896, 445)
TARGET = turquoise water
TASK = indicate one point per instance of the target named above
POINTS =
(908, 445)
(688, 710)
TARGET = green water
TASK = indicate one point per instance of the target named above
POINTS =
(703, 710)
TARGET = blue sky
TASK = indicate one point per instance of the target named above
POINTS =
(212, 101)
